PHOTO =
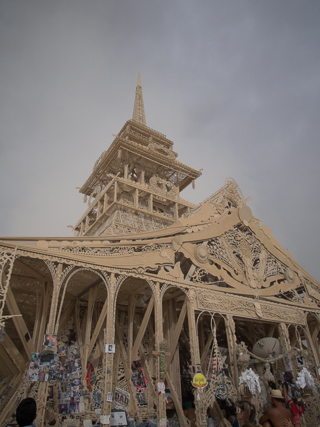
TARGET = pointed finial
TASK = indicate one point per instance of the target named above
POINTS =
(138, 108)
(139, 79)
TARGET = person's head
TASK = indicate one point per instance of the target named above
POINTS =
(188, 405)
(245, 411)
(26, 412)
(288, 376)
(276, 397)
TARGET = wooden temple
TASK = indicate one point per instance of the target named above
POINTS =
(149, 292)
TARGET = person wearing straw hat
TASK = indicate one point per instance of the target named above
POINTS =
(278, 416)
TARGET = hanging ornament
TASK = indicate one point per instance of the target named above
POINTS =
(304, 379)
(199, 381)
(251, 380)
(222, 392)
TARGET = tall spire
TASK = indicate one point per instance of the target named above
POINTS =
(138, 108)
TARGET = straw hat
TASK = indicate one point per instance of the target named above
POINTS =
(276, 394)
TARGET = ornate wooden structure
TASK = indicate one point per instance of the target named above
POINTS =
(169, 283)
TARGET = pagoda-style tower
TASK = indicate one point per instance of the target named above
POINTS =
(135, 185)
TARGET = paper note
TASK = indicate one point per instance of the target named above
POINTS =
(105, 419)
(161, 388)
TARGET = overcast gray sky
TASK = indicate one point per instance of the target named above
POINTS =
(234, 83)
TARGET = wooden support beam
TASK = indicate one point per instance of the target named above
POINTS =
(44, 316)
(19, 323)
(91, 301)
(175, 361)
(150, 361)
(78, 331)
(166, 328)
(208, 345)
(145, 365)
(142, 328)
(175, 338)
(116, 360)
(315, 332)
(93, 285)
(201, 334)
(271, 330)
(34, 273)
(176, 400)
(66, 315)
(7, 362)
(128, 373)
(98, 326)
(174, 295)
(134, 292)
(13, 400)
(131, 313)
(14, 353)
(37, 322)
(186, 341)
(5, 372)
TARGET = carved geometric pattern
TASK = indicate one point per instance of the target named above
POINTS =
(225, 304)
(6, 260)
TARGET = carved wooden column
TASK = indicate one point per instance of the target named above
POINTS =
(285, 344)
(110, 339)
(311, 343)
(43, 387)
(150, 203)
(81, 228)
(105, 201)
(161, 406)
(142, 177)
(5, 258)
(232, 342)
(136, 198)
(201, 412)
(87, 224)
(115, 191)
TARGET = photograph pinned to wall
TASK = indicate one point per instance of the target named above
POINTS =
(300, 361)
(118, 418)
(121, 399)
(287, 363)
(109, 397)
(76, 381)
(62, 350)
(50, 392)
(44, 373)
(50, 340)
(169, 400)
(34, 366)
(141, 398)
(71, 423)
(138, 379)
(110, 348)
(161, 388)
(48, 358)
(97, 397)
(63, 408)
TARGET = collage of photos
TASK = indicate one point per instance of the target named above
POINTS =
(63, 367)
